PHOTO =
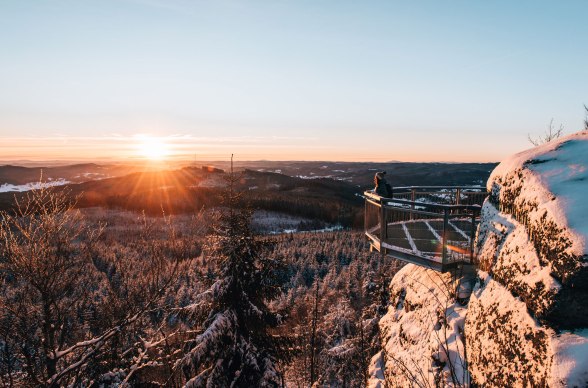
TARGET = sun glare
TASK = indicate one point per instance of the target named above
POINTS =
(153, 148)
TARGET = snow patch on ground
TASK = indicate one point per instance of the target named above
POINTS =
(211, 181)
(570, 364)
(7, 187)
(269, 222)
(95, 176)
(334, 177)
(376, 371)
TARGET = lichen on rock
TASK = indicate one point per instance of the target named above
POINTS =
(505, 345)
(537, 198)
(532, 299)
(526, 323)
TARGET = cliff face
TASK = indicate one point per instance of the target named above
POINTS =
(536, 244)
(423, 344)
(526, 320)
(526, 323)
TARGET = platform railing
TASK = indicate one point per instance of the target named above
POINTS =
(432, 226)
(449, 195)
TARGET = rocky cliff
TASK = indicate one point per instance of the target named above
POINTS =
(422, 333)
(526, 323)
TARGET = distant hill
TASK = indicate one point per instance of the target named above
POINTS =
(190, 189)
(329, 192)
(362, 173)
(357, 173)
(18, 175)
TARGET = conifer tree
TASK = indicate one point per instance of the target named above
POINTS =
(237, 346)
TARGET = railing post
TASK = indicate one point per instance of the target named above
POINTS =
(457, 196)
(472, 236)
(445, 225)
(412, 198)
(365, 215)
(383, 227)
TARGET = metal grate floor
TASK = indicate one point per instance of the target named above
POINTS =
(424, 237)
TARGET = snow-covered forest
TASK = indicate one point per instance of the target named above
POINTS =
(99, 297)
(293, 194)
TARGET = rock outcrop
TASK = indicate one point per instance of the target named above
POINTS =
(530, 309)
(526, 323)
(422, 333)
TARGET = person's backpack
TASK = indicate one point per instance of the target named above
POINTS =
(388, 190)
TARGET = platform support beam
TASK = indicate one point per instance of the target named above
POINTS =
(445, 226)
(383, 227)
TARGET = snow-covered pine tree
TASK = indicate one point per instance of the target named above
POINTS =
(237, 346)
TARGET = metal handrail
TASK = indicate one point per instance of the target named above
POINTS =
(383, 200)
(482, 188)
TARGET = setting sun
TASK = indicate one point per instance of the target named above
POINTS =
(153, 148)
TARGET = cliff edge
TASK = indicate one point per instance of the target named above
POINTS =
(526, 323)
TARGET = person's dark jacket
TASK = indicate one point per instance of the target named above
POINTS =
(383, 188)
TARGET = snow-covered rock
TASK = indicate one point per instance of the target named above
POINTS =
(540, 254)
(526, 323)
(505, 345)
(376, 371)
(422, 333)
(525, 319)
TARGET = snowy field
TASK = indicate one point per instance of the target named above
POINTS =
(7, 187)
(268, 222)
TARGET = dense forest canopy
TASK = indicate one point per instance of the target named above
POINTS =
(98, 296)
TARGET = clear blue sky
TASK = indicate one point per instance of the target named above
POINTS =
(335, 80)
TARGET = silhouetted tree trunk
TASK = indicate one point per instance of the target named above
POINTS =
(313, 340)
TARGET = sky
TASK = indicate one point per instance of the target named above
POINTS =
(288, 80)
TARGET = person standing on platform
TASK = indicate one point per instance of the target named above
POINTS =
(383, 188)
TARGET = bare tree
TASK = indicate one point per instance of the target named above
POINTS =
(49, 287)
(550, 134)
(42, 263)
(313, 340)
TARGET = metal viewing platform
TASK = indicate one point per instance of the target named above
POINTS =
(431, 226)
